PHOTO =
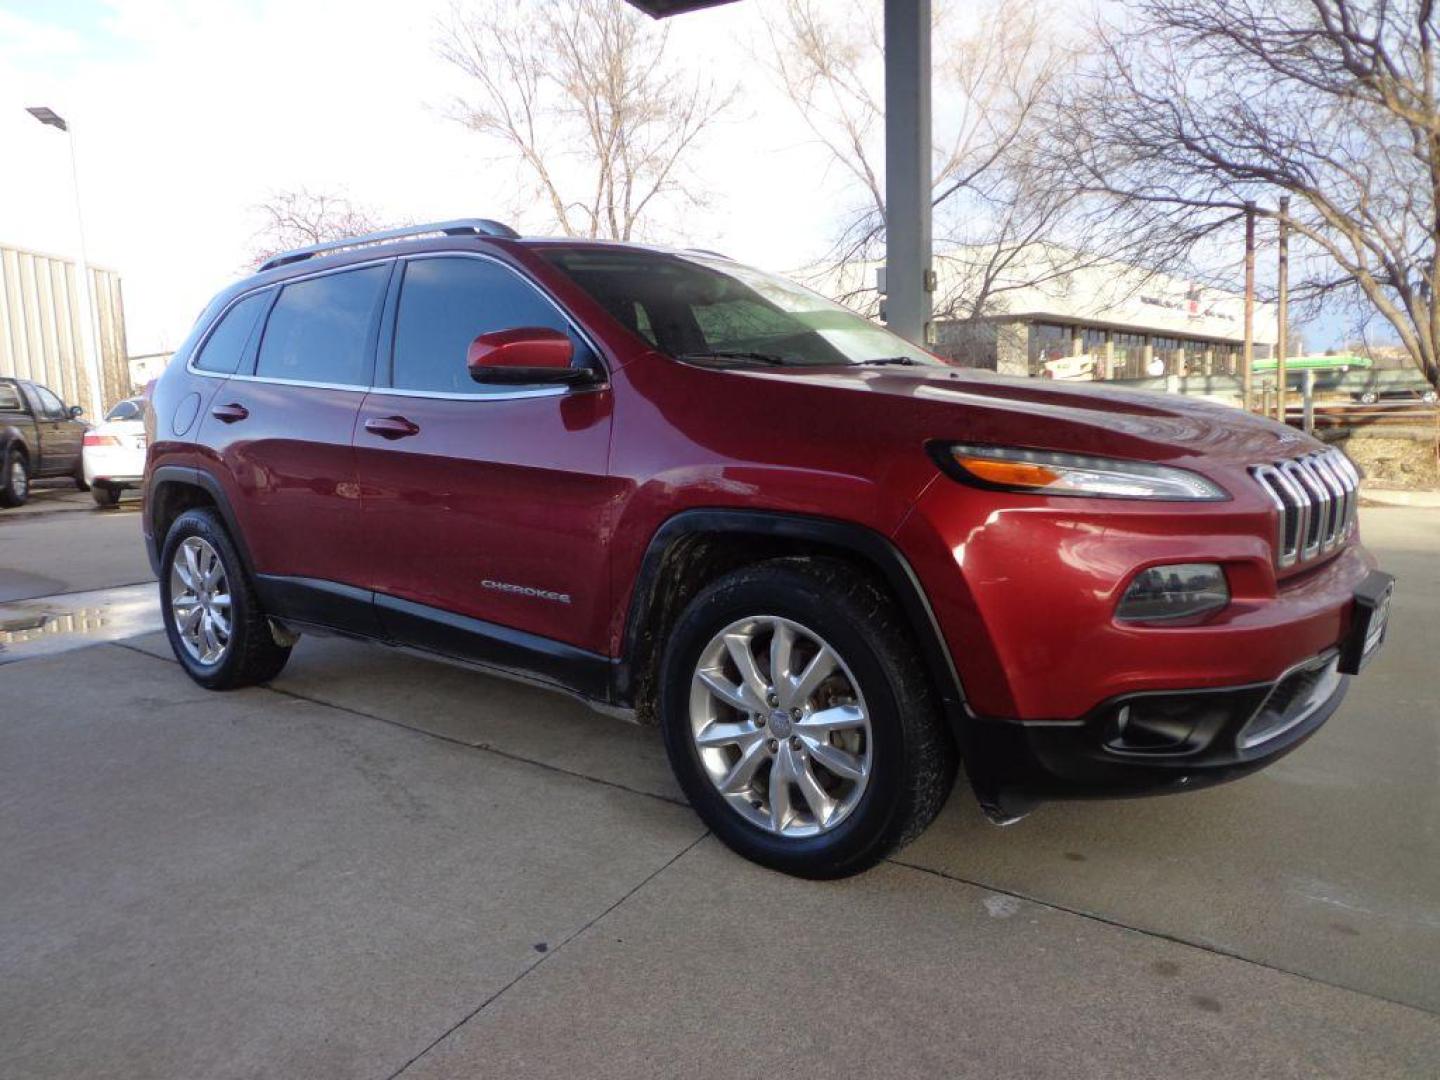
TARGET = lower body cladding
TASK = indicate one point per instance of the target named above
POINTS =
(1155, 742)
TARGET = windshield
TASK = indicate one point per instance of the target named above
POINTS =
(710, 309)
(129, 409)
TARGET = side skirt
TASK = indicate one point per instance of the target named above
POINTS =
(309, 603)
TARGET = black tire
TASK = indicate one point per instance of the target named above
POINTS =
(914, 759)
(106, 496)
(252, 655)
(80, 477)
(14, 487)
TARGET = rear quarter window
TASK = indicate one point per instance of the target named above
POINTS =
(225, 346)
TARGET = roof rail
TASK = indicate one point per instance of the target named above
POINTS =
(462, 227)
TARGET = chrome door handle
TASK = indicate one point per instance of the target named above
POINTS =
(391, 427)
(230, 413)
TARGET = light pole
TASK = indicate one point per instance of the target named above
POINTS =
(89, 346)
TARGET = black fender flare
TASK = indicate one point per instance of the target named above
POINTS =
(868, 545)
(190, 476)
(9, 436)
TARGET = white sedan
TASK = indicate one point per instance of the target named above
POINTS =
(114, 452)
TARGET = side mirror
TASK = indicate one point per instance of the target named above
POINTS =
(76, 412)
(527, 354)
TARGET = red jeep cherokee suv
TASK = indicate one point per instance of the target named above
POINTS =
(825, 563)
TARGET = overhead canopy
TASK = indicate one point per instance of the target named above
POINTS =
(660, 8)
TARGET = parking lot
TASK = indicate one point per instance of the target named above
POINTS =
(382, 866)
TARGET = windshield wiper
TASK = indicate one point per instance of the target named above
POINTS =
(738, 354)
(881, 361)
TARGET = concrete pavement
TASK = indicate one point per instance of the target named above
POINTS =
(353, 873)
(61, 542)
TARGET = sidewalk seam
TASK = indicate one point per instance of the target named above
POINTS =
(1105, 920)
(546, 956)
(77, 592)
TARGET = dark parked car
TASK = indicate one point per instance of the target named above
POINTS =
(1423, 392)
(825, 563)
(1391, 384)
(39, 437)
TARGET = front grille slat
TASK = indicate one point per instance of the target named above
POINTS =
(1339, 503)
(1315, 499)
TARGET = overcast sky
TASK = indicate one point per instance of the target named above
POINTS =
(188, 113)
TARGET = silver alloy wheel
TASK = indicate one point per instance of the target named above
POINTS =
(200, 600)
(775, 714)
(19, 478)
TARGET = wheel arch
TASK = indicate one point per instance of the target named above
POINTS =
(12, 437)
(695, 547)
(174, 489)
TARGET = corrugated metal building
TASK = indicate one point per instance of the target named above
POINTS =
(40, 336)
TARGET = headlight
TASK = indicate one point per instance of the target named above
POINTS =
(1176, 591)
(1042, 472)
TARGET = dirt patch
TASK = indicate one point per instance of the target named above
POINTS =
(1412, 464)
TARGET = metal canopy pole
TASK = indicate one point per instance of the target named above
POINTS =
(909, 280)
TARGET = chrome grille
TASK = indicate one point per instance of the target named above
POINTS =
(1315, 497)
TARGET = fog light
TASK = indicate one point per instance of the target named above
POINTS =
(1176, 724)
(1176, 591)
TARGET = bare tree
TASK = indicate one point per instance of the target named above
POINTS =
(1192, 107)
(298, 218)
(998, 215)
(580, 96)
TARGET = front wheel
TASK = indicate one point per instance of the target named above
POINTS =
(212, 615)
(799, 721)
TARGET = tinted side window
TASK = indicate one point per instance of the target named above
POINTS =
(318, 329)
(226, 344)
(10, 398)
(446, 303)
(51, 406)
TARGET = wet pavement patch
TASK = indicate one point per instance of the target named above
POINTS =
(47, 625)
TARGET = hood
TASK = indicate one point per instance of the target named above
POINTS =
(983, 407)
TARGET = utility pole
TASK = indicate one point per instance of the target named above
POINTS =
(1247, 359)
(89, 343)
(1282, 343)
(909, 278)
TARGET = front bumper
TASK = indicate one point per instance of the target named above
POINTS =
(1025, 591)
(1155, 742)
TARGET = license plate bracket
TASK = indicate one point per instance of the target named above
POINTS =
(1369, 621)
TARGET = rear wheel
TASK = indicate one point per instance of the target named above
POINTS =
(14, 479)
(105, 495)
(799, 721)
(212, 615)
